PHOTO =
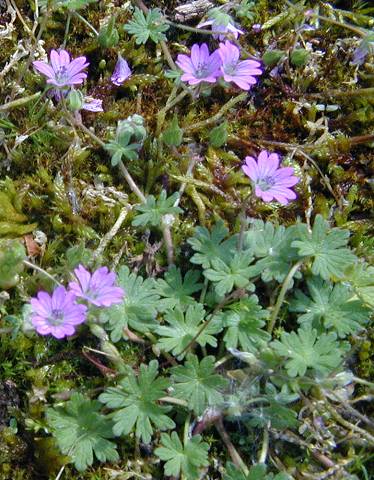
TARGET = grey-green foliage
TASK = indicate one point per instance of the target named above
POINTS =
(138, 309)
(361, 279)
(82, 432)
(275, 410)
(173, 135)
(181, 328)
(211, 245)
(198, 383)
(244, 321)
(256, 472)
(121, 147)
(327, 247)
(271, 244)
(150, 26)
(245, 9)
(183, 458)
(331, 306)
(108, 35)
(176, 291)
(135, 402)
(235, 272)
(134, 125)
(154, 209)
(307, 349)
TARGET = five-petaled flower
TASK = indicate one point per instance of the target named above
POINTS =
(97, 288)
(61, 71)
(270, 181)
(242, 73)
(57, 314)
(201, 66)
(121, 72)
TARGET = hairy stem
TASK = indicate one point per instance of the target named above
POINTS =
(265, 446)
(174, 401)
(282, 294)
(42, 271)
(110, 235)
(235, 457)
(87, 23)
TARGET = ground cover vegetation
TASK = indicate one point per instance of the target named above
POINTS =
(186, 248)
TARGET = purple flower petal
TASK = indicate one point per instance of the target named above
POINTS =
(121, 72)
(242, 73)
(201, 66)
(56, 314)
(98, 288)
(270, 182)
(61, 70)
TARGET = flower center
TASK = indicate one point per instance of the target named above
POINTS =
(202, 70)
(61, 75)
(56, 317)
(266, 183)
(230, 68)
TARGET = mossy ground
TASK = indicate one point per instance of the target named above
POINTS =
(56, 178)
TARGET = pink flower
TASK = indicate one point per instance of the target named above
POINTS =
(92, 104)
(270, 181)
(121, 72)
(201, 66)
(221, 24)
(242, 73)
(62, 71)
(97, 288)
(57, 314)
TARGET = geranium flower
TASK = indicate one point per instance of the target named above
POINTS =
(92, 104)
(97, 288)
(220, 22)
(270, 181)
(61, 71)
(57, 314)
(242, 73)
(201, 66)
(121, 72)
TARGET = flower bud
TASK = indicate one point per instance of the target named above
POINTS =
(75, 100)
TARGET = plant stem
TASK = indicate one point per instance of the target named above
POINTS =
(121, 165)
(19, 102)
(111, 234)
(235, 457)
(174, 401)
(233, 295)
(361, 381)
(342, 93)
(205, 31)
(41, 270)
(215, 118)
(168, 106)
(243, 221)
(67, 28)
(168, 240)
(265, 446)
(357, 30)
(86, 22)
(222, 360)
(186, 429)
(133, 186)
(282, 294)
